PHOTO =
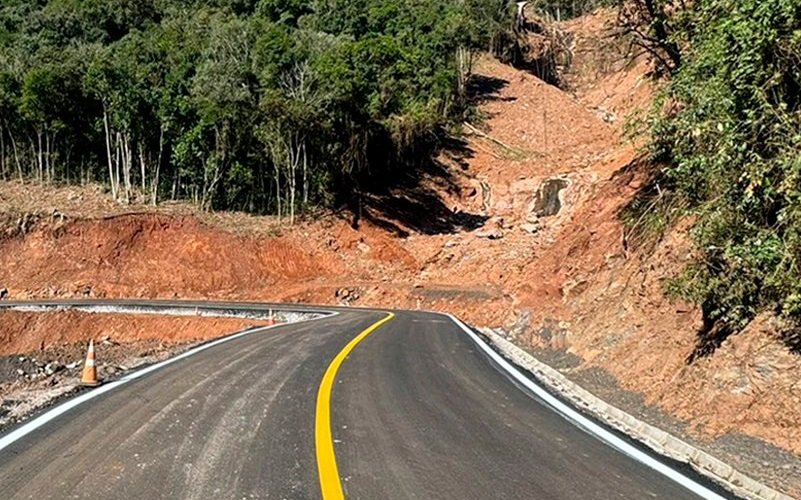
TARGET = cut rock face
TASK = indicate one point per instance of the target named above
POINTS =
(546, 199)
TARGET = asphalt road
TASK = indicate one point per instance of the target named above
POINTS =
(416, 411)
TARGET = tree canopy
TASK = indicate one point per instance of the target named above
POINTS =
(727, 131)
(258, 105)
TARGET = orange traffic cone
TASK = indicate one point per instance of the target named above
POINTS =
(89, 376)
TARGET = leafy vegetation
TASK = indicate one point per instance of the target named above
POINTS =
(658, 27)
(258, 105)
(566, 9)
(728, 127)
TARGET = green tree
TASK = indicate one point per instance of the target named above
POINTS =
(208, 100)
(727, 129)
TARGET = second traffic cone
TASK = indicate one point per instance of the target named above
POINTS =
(89, 375)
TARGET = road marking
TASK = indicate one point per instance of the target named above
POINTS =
(59, 410)
(330, 484)
(586, 424)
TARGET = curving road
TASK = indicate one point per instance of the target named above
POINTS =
(416, 410)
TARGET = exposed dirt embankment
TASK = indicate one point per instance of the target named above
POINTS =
(597, 309)
(167, 255)
(610, 309)
(150, 255)
(31, 332)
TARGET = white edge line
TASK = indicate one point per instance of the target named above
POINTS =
(61, 409)
(585, 423)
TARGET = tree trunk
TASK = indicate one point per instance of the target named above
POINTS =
(48, 174)
(50, 164)
(464, 62)
(39, 160)
(108, 154)
(52, 155)
(291, 163)
(16, 155)
(277, 169)
(212, 177)
(3, 152)
(154, 183)
(305, 177)
(31, 159)
(142, 169)
(117, 162)
(176, 180)
(127, 163)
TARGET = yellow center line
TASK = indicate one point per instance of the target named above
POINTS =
(326, 460)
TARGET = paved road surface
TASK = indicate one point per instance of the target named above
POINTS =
(417, 411)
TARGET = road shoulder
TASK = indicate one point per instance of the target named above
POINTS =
(657, 439)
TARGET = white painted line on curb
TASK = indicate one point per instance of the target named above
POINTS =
(59, 410)
(585, 423)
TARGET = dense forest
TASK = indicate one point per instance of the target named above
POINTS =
(726, 140)
(260, 105)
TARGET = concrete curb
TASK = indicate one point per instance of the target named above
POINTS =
(280, 314)
(653, 437)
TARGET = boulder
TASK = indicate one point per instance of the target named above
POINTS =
(490, 234)
(546, 200)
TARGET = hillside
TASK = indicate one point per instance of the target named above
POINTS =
(517, 225)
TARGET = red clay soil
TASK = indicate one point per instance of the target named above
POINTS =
(520, 271)
(32, 332)
(148, 256)
(608, 75)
